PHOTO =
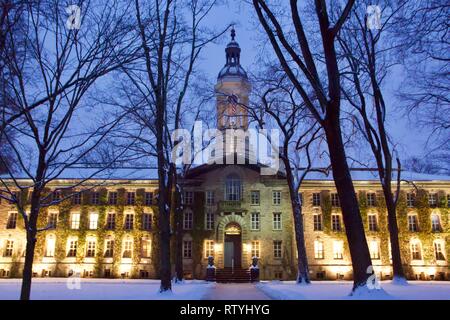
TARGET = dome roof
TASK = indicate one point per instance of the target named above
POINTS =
(232, 70)
(232, 64)
(235, 70)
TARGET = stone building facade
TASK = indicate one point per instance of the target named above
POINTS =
(231, 212)
(112, 231)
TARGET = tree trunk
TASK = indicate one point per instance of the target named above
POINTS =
(397, 266)
(163, 201)
(179, 250)
(302, 259)
(27, 273)
(354, 227)
(164, 225)
(179, 272)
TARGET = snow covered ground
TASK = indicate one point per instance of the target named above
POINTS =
(339, 290)
(103, 289)
(107, 289)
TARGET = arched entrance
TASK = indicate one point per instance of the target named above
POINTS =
(233, 246)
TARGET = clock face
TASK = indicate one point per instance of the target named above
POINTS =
(233, 115)
(233, 101)
(232, 109)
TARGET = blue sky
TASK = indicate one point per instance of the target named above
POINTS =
(410, 139)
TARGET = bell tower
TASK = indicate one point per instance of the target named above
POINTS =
(232, 90)
(232, 100)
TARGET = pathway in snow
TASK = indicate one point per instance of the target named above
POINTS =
(235, 291)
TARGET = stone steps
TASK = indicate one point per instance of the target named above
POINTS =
(229, 275)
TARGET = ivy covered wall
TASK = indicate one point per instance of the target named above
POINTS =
(63, 232)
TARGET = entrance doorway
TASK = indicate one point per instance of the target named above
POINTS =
(233, 246)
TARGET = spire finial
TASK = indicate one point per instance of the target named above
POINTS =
(233, 33)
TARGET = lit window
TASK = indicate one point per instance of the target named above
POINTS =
(209, 220)
(317, 222)
(371, 199)
(413, 224)
(127, 249)
(52, 220)
(374, 250)
(335, 200)
(373, 223)
(254, 221)
(438, 251)
(146, 221)
(316, 199)
(277, 221)
(129, 221)
(209, 248)
(338, 250)
(318, 249)
(432, 199)
(187, 249)
(336, 222)
(12, 220)
(210, 198)
(9, 248)
(109, 248)
(188, 218)
(93, 221)
(254, 197)
(146, 250)
(277, 244)
(255, 249)
(276, 197)
(131, 198)
(410, 200)
(435, 223)
(50, 246)
(112, 198)
(75, 221)
(90, 251)
(416, 251)
(188, 197)
(73, 245)
(233, 188)
(148, 198)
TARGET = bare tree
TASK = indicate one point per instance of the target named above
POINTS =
(10, 23)
(368, 54)
(422, 34)
(438, 164)
(51, 71)
(182, 169)
(279, 108)
(172, 37)
(318, 72)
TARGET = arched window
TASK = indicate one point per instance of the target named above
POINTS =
(233, 188)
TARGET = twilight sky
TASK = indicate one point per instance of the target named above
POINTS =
(410, 139)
